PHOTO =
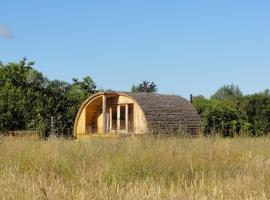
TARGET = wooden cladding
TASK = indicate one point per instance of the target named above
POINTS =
(104, 115)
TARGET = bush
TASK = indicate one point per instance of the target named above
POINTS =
(230, 113)
(28, 100)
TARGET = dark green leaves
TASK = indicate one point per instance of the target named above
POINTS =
(28, 100)
(145, 86)
(229, 112)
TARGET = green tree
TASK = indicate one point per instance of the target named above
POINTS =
(229, 112)
(221, 117)
(28, 100)
(227, 92)
(145, 86)
(258, 113)
(21, 90)
(86, 85)
(217, 116)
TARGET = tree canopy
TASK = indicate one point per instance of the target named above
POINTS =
(227, 92)
(228, 112)
(145, 86)
(28, 99)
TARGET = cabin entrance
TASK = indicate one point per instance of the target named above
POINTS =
(121, 118)
(107, 115)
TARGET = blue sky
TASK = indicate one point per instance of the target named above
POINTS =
(185, 46)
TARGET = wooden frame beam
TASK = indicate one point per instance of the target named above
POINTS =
(118, 118)
(126, 118)
(110, 119)
(104, 112)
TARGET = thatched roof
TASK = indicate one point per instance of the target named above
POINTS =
(168, 113)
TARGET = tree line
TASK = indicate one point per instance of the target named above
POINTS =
(29, 100)
(228, 112)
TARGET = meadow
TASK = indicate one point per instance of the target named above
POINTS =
(135, 168)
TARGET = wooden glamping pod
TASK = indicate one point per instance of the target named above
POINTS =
(114, 113)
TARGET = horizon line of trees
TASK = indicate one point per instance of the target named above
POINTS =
(28, 101)
(228, 112)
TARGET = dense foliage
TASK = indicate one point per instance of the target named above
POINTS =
(229, 112)
(145, 86)
(28, 100)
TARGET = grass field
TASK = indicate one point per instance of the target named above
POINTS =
(135, 168)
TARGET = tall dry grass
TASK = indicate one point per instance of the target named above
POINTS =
(135, 168)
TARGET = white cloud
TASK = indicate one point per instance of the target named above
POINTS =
(5, 32)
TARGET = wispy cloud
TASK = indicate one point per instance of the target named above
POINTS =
(5, 32)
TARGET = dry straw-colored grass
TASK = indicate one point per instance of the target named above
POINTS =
(135, 168)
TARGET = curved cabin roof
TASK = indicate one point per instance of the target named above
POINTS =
(168, 113)
(163, 113)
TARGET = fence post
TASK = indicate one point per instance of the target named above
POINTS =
(52, 126)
